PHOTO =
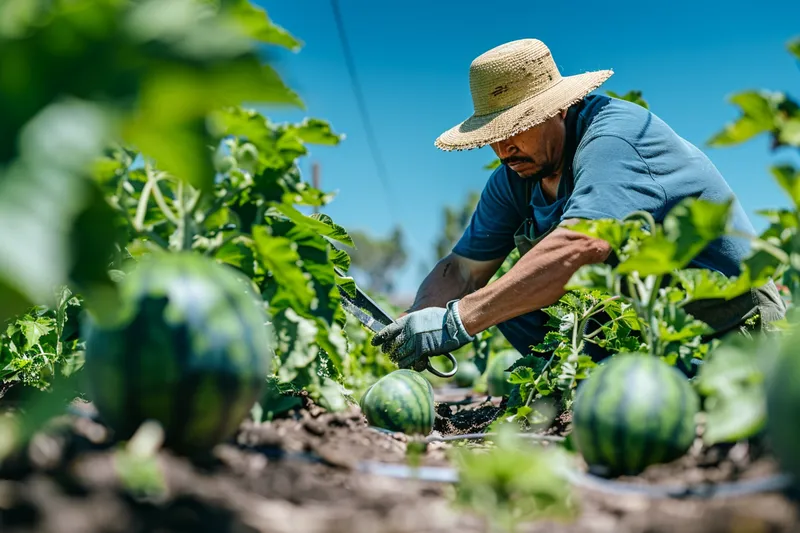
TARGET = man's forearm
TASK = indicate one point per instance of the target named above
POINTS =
(447, 281)
(536, 281)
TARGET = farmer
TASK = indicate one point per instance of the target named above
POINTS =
(565, 155)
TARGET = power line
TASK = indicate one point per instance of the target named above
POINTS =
(371, 138)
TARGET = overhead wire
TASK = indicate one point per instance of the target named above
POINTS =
(365, 118)
(362, 108)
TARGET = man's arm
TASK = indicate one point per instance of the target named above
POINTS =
(453, 277)
(535, 281)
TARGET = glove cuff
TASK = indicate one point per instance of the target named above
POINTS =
(455, 327)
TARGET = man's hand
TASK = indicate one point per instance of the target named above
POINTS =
(411, 339)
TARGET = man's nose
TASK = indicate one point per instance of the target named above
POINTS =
(504, 149)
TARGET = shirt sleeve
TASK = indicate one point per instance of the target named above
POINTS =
(490, 232)
(612, 180)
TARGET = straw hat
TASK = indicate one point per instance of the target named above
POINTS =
(516, 86)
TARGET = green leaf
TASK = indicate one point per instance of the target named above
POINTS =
(316, 131)
(701, 283)
(257, 24)
(794, 47)
(630, 96)
(320, 224)
(34, 329)
(790, 132)
(492, 165)
(279, 255)
(340, 258)
(615, 232)
(595, 276)
(783, 218)
(757, 116)
(788, 178)
(348, 284)
(688, 228)
(732, 382)
(521, 375)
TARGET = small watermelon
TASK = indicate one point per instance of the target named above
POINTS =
(497, 375)
(189, 348)
(783, 406)
(400, 401)
(634, 411)
(467, 374)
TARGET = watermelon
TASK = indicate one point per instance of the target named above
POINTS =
(783, 406)
(633, 411)
(400, 401)
(467, 374)
(189, 348)
(497, 374)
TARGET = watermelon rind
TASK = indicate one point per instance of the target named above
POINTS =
(189, 348)
(400, 401)
(497, 374)
(633, 411)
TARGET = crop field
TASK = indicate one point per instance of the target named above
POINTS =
(178, 356)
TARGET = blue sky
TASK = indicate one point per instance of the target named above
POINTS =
(412, 59)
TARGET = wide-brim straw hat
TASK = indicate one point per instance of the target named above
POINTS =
(514, 87)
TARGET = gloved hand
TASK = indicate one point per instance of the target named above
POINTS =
(410, 340)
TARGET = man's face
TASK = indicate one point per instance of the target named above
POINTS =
(535, 153)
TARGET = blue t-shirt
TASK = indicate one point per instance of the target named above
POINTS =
(626, 159)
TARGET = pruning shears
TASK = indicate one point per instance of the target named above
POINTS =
(375, 319)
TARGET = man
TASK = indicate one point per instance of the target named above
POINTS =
(565, 155)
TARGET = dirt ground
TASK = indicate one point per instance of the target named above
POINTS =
(302, 474)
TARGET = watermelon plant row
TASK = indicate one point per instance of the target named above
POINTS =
(166, 163)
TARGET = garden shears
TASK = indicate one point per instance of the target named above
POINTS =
(374, 318)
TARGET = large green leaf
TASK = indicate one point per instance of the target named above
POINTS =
(279, 255)
(320, 224)
(701, 284)
(732, 382)
(688, 228)
(257, 24)
(757, 116)
(615, 232)
(316, 131)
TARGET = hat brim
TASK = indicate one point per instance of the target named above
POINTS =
(480, 130)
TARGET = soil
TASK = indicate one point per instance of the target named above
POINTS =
(301, 474)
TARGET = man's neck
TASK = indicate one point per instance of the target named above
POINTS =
(550, 186)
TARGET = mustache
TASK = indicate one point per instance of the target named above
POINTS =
(516, 159)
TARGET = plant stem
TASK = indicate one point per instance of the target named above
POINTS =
(162, 204)
(141, 207)
(536, 381)
(653, 320)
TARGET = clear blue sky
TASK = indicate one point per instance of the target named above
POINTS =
(412, 58)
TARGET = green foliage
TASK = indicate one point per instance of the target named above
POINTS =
(732, 382)
(41, 342)
(773, 113)
(513, 482)
(79, 75)
(630, 96)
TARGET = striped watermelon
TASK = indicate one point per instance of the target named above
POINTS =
(497, 375)
(189, 349)
(634, 410)
(400, 401)
(467, 374)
